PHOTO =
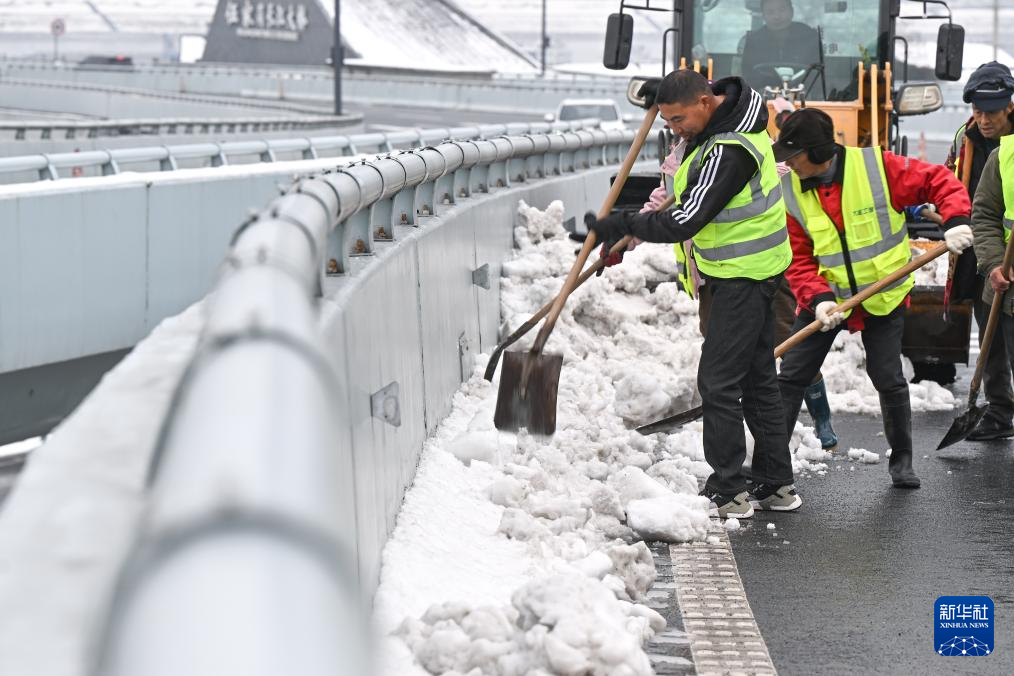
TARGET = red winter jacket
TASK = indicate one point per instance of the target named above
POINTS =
(909, 182)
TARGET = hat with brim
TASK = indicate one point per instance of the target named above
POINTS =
(991, 99)
(805, 129)
(785, 150)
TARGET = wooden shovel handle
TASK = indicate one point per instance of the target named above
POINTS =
(994, 319)
(814, 326)
(589, 243)
(600, 263)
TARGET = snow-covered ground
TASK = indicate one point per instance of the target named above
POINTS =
(520, 555)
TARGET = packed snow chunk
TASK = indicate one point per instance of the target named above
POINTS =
(807, 454)
(596, 565)
(451, 637)
(640, 398)
(471, 446)
(771, 526)
(537, 225)
(507, 492)
(864, 456)
(633, 484)
(635, 567)
(606, 501)
(676, 477)
(518, 524)
(674, 518)
(731, 524)
(575, 625)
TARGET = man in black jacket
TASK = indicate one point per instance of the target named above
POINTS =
(730, 204)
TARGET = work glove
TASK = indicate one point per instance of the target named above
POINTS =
(923, 213)
(609, 231)
(958, 238)
(825, 315)
(649, 90)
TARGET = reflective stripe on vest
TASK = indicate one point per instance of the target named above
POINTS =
(748, 237)
(957, 148)
(683, 270)
(846, 293)
(876, 234)
(1006, 159)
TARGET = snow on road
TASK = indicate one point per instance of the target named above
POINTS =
(521, 555)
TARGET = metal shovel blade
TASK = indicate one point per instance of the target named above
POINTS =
(527, 394)
(963, 425)
(672, 422)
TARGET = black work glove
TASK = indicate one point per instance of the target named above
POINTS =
(609, 231)
(649, 90)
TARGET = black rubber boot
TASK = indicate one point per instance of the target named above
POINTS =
(897, 411)
(820, 410)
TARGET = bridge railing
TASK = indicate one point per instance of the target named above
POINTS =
(51, 166)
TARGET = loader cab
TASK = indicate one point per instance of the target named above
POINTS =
(771, 42)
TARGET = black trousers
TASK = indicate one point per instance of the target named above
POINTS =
(882, 340)
(737, 380)
(996, 373)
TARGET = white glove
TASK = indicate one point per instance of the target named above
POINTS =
(826, 317)
(958, 238)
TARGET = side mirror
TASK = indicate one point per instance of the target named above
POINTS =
(950, 49)
(633, 87)
(918, 99)
(619, 36)
(549, 117)
(628, 117)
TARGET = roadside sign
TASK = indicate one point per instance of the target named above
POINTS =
(57, 27)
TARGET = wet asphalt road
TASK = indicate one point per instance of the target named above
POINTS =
(853, 590)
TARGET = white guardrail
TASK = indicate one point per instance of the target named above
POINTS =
(171, 157)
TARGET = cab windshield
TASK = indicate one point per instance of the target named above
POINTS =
(775, 42)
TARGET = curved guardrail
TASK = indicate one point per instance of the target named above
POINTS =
(53, 166)
(274, 455)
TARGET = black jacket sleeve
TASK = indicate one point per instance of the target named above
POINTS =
(725, 171)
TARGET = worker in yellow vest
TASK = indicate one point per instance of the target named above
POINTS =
(988, 90)
(730, 204)
(992, 218)
(847, 228)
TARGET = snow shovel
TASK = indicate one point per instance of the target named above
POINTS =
(494, 358)
(529, 380)
(967, 421)
(679, 419)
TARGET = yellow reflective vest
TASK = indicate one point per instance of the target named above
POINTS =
(748, 238)
(875, 240)
(1006, 159)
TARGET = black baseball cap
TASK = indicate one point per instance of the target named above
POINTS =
(989, 88)
(805, 129)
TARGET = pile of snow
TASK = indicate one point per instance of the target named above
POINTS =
(515, 554)
(849, 388)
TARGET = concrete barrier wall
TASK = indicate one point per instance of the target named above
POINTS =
(418, 320)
